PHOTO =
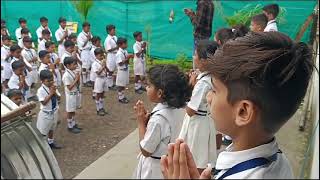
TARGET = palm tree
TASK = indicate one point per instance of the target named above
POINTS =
(83, 7)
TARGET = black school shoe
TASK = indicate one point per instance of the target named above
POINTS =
(77, 127)
(74, 130)
(124, 101)
(138, 91)
(113, 88)
(55, 146)
(101, 112)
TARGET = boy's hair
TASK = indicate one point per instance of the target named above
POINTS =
(260, 19)
(5, 37)
(98, 51)
(110, 27)
(173, 82)
(14, 92)
(206, 48)
(43, 19)
(72, 35)
(62, 19)
(43, 53)
(3, 21)
(17, 64)
(268, 69)
(121, 41)
(26, 39)
(22, 20)
(48, 44)
(95, 39)
(46, 74)
(69, 60)
(45, 31)
(85, 24)
(136, 34)
(14, 47)
(272, 9)
(25, 31)
(68, 43)
(225, 34)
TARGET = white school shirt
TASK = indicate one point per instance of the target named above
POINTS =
(93, 57)
(42, 93)
(15, 80)
(39, 32)
(121, 55)
(42, 45)
(110, 42)
(271, 26)
(65, 54)
(53, 57)
(43, 67)
(67, 79)
(18, 33)
(278, 169)
(96, 66)
(59, 34)
(137, 48)
(27, 55)
(6, 71)
(81, 39)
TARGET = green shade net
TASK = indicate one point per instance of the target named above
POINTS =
(166, 40)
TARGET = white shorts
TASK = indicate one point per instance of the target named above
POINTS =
(100, 85)
(47, 121)
(139, 67)
(122, 78)
(111, 62)
(71, 101)
(86, 59)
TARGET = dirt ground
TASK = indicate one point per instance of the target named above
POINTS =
(99, 134)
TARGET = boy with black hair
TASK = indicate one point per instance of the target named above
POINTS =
(61, 35)
(110, 45)
(139, 61)
(123, 70)
(271, 11)
(24, 33)
(16, 96)
(23, 24)
(48, 115)
(46, 36)
(84, 45)
(96, 43)
(3, 23)
(43, 26)
(5, 63)
(4, 32)
(55, 60)
(258, 23)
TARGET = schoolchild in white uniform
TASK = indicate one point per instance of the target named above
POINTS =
(139, 62)
(50, 47)
(4, 32)
(47, 119)
(198, 130)
(123, 69)
(84, 45)
(45, 38)
(96, 43)
(16, 96)
(169, 88)
(3, 24)
(250, 102)
(71, 81)
(110, 45)
(61, 35)
(100, 86)
(258, 23)
(24, 33)
(23, 24)
(271, 11)
(31, 56)
(43, 26)
(5, 62)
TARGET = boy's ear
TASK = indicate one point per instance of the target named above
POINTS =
(245, 113)
(160, 93)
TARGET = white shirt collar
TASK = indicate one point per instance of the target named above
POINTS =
(62, 28)
(202, 74)
(45, 87)
(6, 47)
(271, 21)
(68, 53)
(229, 158)
(160, 106)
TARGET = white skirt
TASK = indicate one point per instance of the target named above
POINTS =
(111, 62)
(122, 78)
(139, 67)
(147, 168)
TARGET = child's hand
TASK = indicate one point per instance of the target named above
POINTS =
(77, 77)
(57, 61)
(141, 113)
(34, 59)
(66, 33)
(130, 56)
(144, 44)
(53, 90)
(51, 66)
(193, 78)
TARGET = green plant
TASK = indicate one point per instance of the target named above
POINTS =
(83, 7)
(183, 61)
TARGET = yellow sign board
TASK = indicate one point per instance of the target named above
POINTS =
(72, 26)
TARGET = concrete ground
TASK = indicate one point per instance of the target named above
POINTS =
(121, 160)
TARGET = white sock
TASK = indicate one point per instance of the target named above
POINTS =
(73, 121)
(84, 77)
(94, 94)
(70, 125)
(120, 95)
(101, 103)
(98, 104)
(50, 141)
(110, 81)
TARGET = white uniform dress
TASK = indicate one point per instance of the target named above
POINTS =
(199, 131)
(48, 114)
(18, 33)
(59, 34)
(123, 70)
(39, 32)
(162, 128)
(71, 95)
(109, 43)
(42, 45)
(139, 63)
(278, 166)
(54, 57)
(271, 26)
(85, 54)
(5, 63)
(93, 75)
(100, 84)
(28, 55)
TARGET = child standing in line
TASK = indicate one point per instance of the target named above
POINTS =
(110, 45)
(198, 130)
(258, 23)
(48, 115)
(71, 81)
(139, 61)
(100, 86)
(43, 26)
(46, 64)
(96, 43)
(5, 62)
(61, 35)
(24, 33)
(168, 87)
(44, 38)
(23, 24)
(55, 60)
(225, 34)
(123, 70)
(16, 96)
(271, 11)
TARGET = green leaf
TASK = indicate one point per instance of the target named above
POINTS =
(83, 7)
